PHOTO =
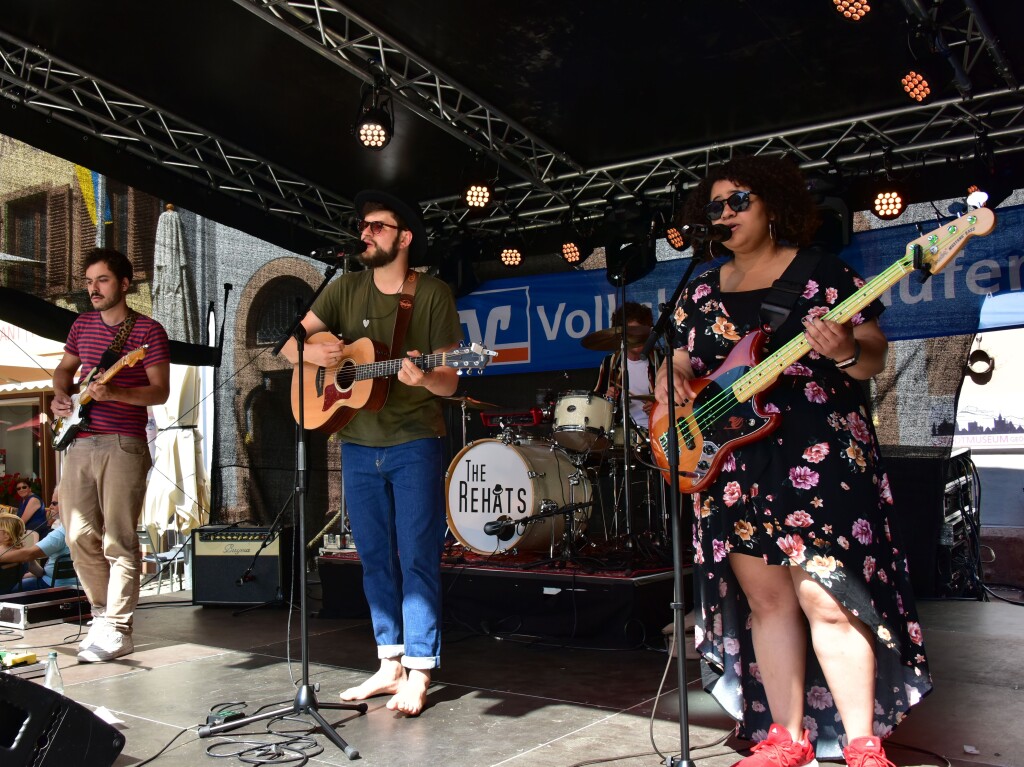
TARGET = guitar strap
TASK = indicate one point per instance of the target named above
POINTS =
(404, 313)
(113, 352)
(784, 292)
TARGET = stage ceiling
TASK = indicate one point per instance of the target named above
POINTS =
(243, 111)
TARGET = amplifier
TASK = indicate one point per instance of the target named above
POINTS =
(221, 557)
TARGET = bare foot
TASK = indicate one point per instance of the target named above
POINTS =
(387, 680)
(411, 696)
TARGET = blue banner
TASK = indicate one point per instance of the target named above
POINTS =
(536, 323)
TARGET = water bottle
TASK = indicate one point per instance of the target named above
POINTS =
(53, 679)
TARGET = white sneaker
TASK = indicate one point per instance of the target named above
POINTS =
(109, 644)
(96, 627)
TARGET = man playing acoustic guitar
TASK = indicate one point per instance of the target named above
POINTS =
(392, 454)
(103, 482)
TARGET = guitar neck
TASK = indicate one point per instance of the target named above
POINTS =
(386, 368)
(764, 373)
(109, 373)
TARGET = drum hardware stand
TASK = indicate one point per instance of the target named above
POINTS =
(305, 697)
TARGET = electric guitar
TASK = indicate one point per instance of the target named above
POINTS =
(65, 429)
(728, 411)
(332, 396)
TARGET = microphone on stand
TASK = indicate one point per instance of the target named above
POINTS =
(334, 253)
(705, 233)
(246, 578)
(503, 527)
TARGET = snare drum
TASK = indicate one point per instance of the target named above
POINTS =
(582, 421)
(490, 480)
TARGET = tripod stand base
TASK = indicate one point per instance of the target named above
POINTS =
(305, 704)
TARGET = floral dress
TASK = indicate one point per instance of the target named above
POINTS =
(812, 495)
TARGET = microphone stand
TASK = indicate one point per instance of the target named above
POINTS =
(305, 697)
(662, 328)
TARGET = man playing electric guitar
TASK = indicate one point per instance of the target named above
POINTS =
(103, 482)
(392, 457)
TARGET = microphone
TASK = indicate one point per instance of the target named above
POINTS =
(245, 579)
(503, 527)
(334, 252)
(705, 233)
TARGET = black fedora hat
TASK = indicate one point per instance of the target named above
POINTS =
(410, 216)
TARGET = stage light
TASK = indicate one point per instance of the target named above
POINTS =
(376, 122)
(511, 255)
(888, 204)
(576, 246)
(854, 10)
(916, 86)
(478, 195)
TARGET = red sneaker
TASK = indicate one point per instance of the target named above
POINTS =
(866, 752)
(780, 750)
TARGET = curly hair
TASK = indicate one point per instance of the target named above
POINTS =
(634, 313)
(777, 181)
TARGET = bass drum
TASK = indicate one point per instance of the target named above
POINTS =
(492, 481)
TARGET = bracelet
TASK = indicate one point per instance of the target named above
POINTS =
(852, 360)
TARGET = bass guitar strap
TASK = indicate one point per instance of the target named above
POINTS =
(782, 296)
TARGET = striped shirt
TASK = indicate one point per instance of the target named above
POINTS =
(88, 339)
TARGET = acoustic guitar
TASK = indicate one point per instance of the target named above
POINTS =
(332, 396)
(65, 429)
(728, 411)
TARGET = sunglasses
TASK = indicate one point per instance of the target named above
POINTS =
(53, 503)
(738, 201)
(22, 487)
(376, 227)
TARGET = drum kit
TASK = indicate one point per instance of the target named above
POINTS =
(520, 491)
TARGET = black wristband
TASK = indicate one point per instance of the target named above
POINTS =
(852, 360)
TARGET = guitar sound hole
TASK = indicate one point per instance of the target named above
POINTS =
(345, 377)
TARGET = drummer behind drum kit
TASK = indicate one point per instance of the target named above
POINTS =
(518, 492)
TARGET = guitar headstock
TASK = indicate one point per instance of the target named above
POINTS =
(466, 359)
(934, 250)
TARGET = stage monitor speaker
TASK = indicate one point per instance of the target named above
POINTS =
(932, 509)
(221, 555)
(42, 728)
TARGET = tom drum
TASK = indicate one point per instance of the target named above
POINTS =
(582, 421)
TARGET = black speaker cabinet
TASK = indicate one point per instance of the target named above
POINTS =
(221, 562)
(935, 522)
(42, 728)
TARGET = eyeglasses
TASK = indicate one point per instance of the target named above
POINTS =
(22, 487)
(53, 503)
(738, 201)
(376, 227)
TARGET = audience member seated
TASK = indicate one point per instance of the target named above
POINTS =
(53, 547)
(12, 565)
(31, 510)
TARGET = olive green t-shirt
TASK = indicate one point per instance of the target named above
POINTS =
(411, 412)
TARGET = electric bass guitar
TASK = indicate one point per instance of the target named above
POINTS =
(728, 411)
(332, 396)
(65, 429)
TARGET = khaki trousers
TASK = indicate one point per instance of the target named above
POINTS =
(102, 489)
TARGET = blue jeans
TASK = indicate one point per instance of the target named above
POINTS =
(395, 500)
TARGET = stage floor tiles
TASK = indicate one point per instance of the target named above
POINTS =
(502, 699)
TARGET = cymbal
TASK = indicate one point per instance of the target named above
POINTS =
(473, 404)
(608, 340)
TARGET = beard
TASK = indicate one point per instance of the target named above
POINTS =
(108, 302)
(377, 257)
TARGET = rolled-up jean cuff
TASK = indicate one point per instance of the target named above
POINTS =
(420, 664)
(393, 651)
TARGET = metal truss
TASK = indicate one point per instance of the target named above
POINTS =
(552, 184)
(33, 79)
(353, 43)
(917, 136)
